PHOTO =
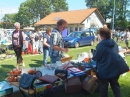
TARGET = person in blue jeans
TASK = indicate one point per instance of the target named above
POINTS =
(46, 45)
(57, 43)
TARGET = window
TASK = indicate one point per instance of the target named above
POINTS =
(71, 29)
(76, 29)
(88, 34)
(83, 35)
(80, 29)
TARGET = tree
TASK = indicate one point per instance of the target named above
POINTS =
(106, 9)
(104, 6)
(59, 5)
(23, 16)
(32, 11)
(8, 20)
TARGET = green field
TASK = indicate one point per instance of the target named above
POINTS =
(36, 60)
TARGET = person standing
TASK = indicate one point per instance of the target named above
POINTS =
(105, 26)
(107, 63)
(5, 39)
(40, 47)
(35, 41)
(127, 37)
(57, 43)
(17, 42)
(117, 35)
(46, 45)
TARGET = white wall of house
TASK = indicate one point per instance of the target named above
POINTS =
(92, 21)
(96, 20)
(75, 27)
(87, 23)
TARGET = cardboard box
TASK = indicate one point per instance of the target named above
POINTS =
(73, 85)
(5, 88)
(93, 72)
(90, 84)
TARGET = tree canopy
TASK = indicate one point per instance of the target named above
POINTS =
(32, 11)
(8, 20)
(105, 7)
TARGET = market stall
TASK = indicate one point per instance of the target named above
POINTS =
(52, 76)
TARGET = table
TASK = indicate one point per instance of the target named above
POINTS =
(7, 43)
(44, 71)
(30, 92)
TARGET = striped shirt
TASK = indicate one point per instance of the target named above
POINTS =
(56, 40)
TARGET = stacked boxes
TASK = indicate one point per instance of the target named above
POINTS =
(90, 84)
(73, 85)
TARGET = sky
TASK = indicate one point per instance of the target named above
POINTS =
(11, 6)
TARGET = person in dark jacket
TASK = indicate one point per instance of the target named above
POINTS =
(107, 63)
(18, 39)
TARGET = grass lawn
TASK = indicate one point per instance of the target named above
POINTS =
(36, 61)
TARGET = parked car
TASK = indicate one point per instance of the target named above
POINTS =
(95, 31)
(92, 29)
(79, 38)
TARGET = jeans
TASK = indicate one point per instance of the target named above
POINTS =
(40, 46)
(55, 58)
(45, 57)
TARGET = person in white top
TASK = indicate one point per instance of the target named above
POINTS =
(35, 41)
(5, 38)
(40, 46)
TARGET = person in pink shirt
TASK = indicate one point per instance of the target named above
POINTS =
(18, 39)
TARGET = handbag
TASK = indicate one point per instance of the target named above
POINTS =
(117, 65)
(122, 66)
(26, 81)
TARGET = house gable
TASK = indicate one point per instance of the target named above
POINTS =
(72, 17)
(77, 20)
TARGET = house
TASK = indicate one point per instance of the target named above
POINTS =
(77, 20)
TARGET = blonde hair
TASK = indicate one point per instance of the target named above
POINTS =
(16, 24)
(48, 29)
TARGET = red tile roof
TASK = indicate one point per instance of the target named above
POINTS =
(72, 17)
